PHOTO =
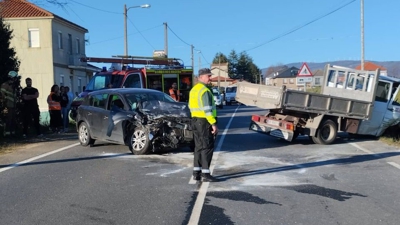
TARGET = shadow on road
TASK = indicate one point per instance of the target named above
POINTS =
(349, 160)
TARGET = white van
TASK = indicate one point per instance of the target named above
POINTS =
(230, 94)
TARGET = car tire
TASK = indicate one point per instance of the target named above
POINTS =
(85, 137)
(139, 142)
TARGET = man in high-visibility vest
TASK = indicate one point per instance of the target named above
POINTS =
(9, 104)
(204, 124)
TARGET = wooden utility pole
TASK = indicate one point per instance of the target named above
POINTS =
(192, 58)
(362, 34)
(166, 38)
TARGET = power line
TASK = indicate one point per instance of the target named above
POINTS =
(111, 39)
(178, 36)
(141, 34)
(88, 6)
(298, 28)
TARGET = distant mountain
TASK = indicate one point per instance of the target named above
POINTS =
(393, 67)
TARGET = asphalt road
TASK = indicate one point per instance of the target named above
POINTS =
(263, 181)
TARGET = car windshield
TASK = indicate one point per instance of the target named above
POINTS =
(230, 90)
(101, 81)
(134, 98)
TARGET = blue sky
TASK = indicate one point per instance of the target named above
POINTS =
(255, 26)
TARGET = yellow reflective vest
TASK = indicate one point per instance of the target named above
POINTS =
(201, 103)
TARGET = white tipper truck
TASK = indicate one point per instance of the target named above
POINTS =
(352, 101)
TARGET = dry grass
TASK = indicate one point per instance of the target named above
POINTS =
(10, 147)
(389, 141)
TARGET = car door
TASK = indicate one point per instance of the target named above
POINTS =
(382, 97)
(98, 111)
(113, 121)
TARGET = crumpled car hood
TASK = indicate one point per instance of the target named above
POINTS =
(158, 109)
(152, 109)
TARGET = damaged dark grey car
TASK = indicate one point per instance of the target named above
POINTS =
(143, 119)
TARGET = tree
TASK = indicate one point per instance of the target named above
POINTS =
(220, 58)
(233, 61)
(8, 59)
(239, 66)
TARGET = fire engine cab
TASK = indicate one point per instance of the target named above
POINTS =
(138, 72)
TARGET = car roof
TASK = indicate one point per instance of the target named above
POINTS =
(124, 91)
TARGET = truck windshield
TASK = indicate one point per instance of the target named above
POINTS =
(101, 81)
(230, 90)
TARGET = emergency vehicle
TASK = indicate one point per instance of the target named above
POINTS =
(138, 72)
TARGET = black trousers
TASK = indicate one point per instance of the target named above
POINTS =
(29, 114)
(55, 119)
(204, 145)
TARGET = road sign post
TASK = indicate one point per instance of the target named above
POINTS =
(304, 76)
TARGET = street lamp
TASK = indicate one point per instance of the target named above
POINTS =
(125, 26)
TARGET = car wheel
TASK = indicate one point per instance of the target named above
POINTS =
(84, 135)
(139, 142)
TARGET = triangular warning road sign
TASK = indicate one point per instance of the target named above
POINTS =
(304, 71)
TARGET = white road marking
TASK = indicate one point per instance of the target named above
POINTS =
(375, 154)
(198, 205)
(362, 149)
(394, 164)
(37, 157)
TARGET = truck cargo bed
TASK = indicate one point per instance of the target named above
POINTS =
(270, 97)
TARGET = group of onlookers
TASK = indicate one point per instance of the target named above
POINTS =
(59, 101)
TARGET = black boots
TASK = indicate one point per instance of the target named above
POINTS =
(196, 175)
(205, 177)
(208, 178)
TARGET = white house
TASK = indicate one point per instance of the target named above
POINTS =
(49, 48)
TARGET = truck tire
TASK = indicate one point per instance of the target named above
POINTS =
(326, 133)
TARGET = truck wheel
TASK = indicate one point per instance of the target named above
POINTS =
(139, 142)
(326, 133)
(84, 135)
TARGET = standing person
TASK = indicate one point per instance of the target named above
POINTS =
(70, 99)
(31, 108)
(55, 108)
(8, 97)
(204, 123)
(174, 92)
(64, 108)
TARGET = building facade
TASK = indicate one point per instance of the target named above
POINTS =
(48, 47)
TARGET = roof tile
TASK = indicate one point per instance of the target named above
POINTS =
(370, 66)
(21, 9)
